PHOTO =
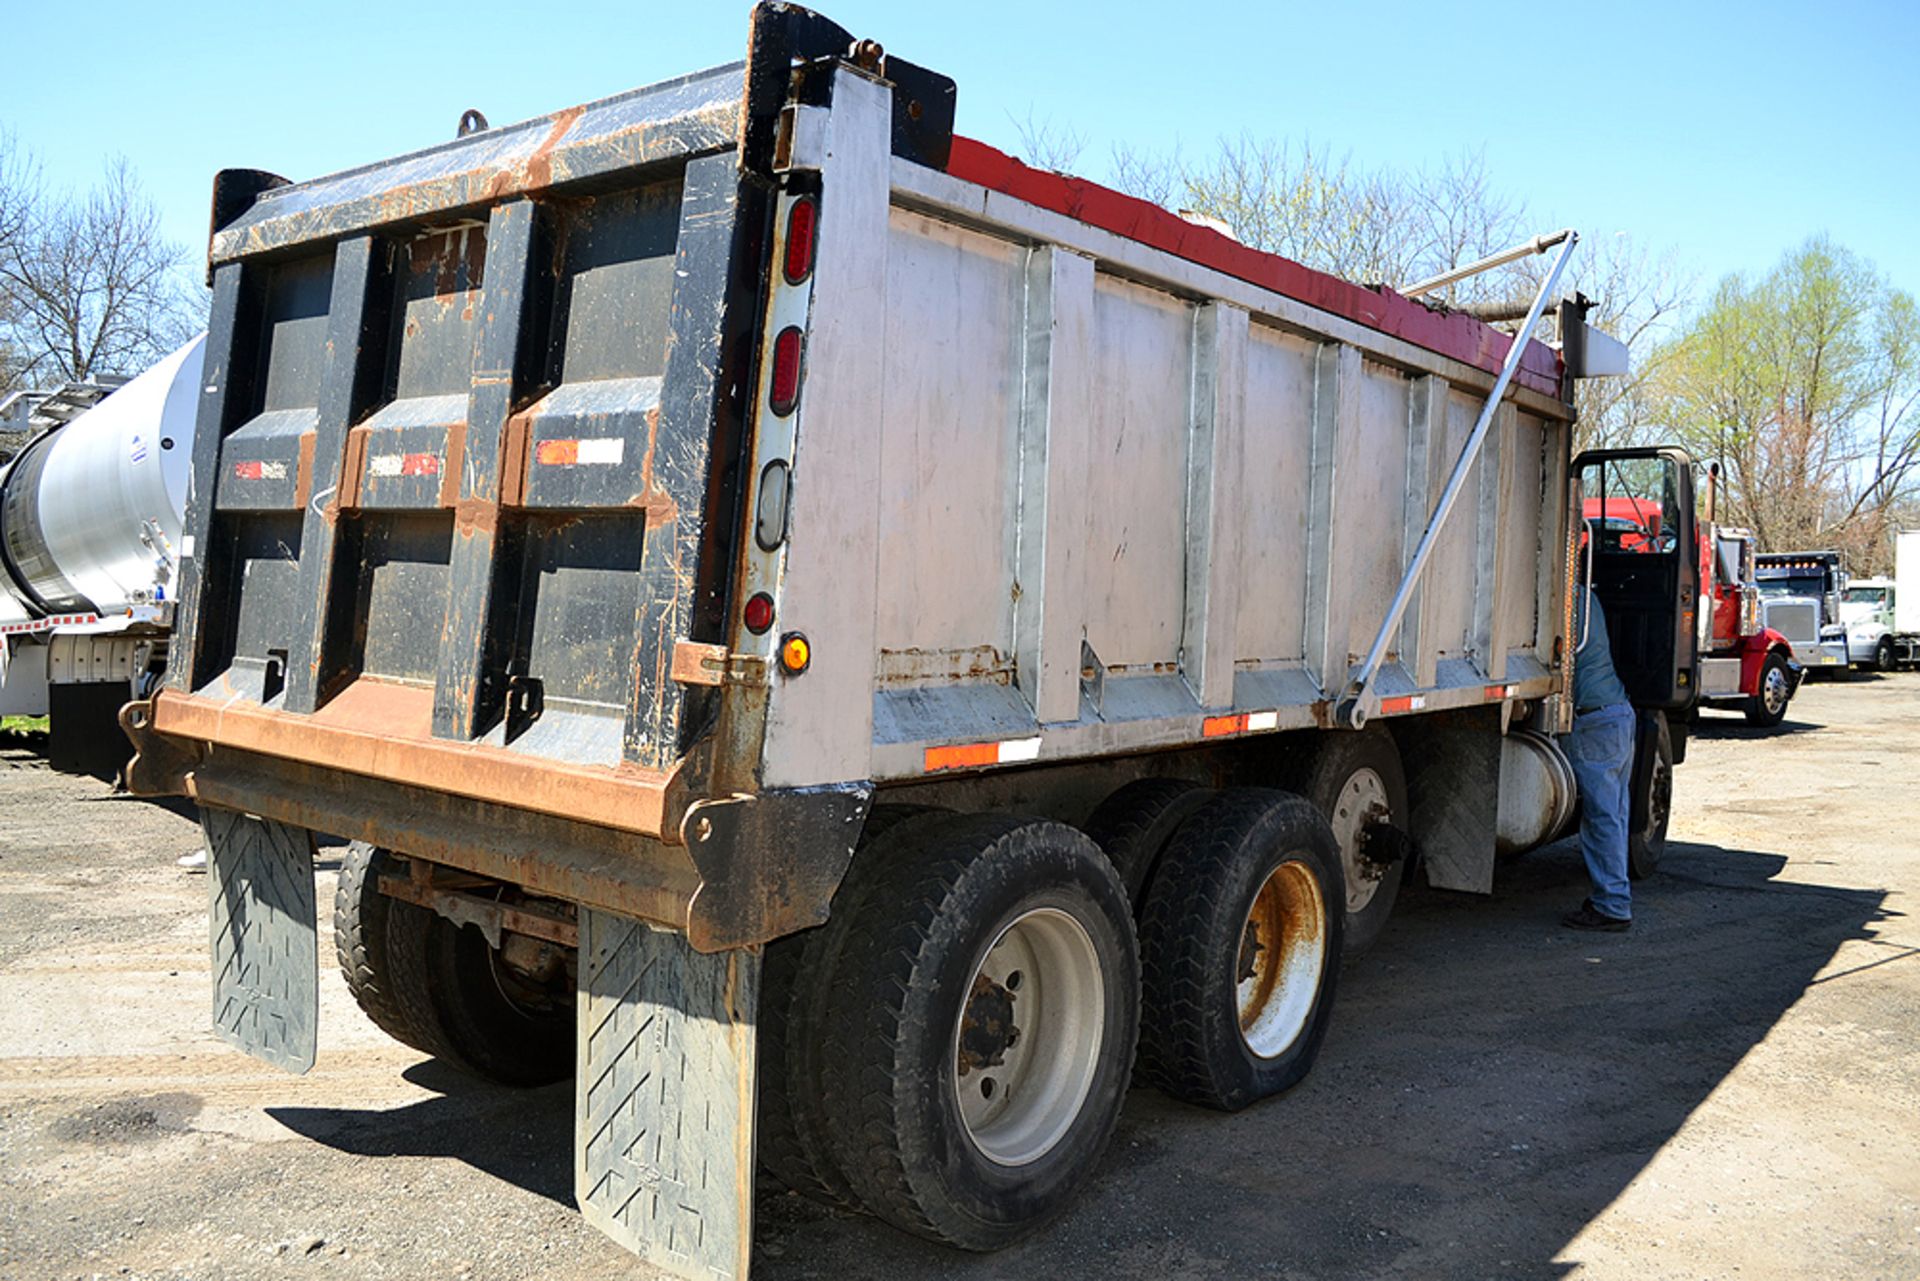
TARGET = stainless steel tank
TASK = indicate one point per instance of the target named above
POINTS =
(91, 514)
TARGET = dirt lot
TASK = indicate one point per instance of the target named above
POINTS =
(1731, 1090)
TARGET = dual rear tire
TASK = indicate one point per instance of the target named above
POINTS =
(441, 988)
(952, 1051)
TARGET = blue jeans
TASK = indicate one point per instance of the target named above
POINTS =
(1601, 751)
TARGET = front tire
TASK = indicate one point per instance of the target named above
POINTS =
(1654, 807)
(1767, 706)
(1883, 659)
(983, 1017)
(1239, 944)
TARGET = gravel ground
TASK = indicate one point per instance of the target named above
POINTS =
(1733, 1089)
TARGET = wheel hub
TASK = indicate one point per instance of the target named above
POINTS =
(1358, 811)
(1027, 1040)
(1774, 691)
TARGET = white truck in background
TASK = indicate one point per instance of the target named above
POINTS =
(91, 514)
(1882, 615)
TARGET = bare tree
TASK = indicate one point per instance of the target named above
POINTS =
(88, 283)
(1045, 145)
(1804, 385)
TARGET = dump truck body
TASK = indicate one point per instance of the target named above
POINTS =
(596, 516)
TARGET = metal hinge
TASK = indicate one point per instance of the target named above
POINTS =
(698, 663)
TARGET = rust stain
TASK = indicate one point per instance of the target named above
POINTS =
(516, 444)
(385, 730)
(475, 516)
(456, 456)
(536, 171)
(303, 482)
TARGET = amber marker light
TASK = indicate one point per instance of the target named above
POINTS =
(795, 653)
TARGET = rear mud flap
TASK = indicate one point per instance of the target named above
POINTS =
(664, 1096)
(266, 958)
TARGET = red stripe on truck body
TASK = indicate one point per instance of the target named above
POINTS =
(1452, 334)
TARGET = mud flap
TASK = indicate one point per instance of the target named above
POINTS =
(664, 1096)
(266, 956)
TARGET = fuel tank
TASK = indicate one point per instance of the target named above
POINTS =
(91, 514)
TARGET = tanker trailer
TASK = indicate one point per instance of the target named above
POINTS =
(90, 520)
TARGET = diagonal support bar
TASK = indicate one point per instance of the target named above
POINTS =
(1352, 710)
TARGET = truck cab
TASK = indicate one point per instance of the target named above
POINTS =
(1866, 611)
(1745, 665)
(1800, 598)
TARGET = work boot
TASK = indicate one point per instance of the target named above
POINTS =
(1589, 919)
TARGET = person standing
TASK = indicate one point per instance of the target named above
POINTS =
(1600, 749)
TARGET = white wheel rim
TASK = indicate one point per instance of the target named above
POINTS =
(1361, 803)
(1774, 691)
(1283, 954)
(1027, 1042)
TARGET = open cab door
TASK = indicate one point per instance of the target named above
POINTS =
(1643, 556)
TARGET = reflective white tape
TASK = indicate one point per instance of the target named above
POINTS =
(1020, 749)
(602, 450)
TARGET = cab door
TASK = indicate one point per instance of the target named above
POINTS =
(1643, 554)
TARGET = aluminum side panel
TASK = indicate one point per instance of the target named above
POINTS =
(1449, 586)
(1276, 453)
(1141, 415)
(1371, 513)
(949, 450)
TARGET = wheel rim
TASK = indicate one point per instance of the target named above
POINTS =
(1283, 953)
(1659, 797)
(1362, 803)
(1773, 689)
(1027, 1043)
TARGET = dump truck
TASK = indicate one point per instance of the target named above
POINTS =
(91, 511)
(852, 647)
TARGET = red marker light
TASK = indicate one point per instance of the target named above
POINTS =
(786, 371)
(802, 219)
(758, 615)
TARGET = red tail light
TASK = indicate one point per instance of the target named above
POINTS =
(802, 218)
(786, 370)
(758, 614)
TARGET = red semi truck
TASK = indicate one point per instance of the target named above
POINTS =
(1745, 665)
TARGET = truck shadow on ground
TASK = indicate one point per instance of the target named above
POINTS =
(1734, 727)
(1491, 1084)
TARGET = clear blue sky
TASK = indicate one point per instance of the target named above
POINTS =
(1728, 132)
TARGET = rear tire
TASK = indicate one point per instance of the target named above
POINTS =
(1239, 944)
(440, 988)
(1134, 825)
(361, 914)
(1767, 706)
(1356, 782)
(793, 1049)
(983, 1018)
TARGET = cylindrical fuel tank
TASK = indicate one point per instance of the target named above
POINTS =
(91, 514)
(1537, 791)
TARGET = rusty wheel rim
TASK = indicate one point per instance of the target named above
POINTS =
(1283, 953)
(1027, 1042)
